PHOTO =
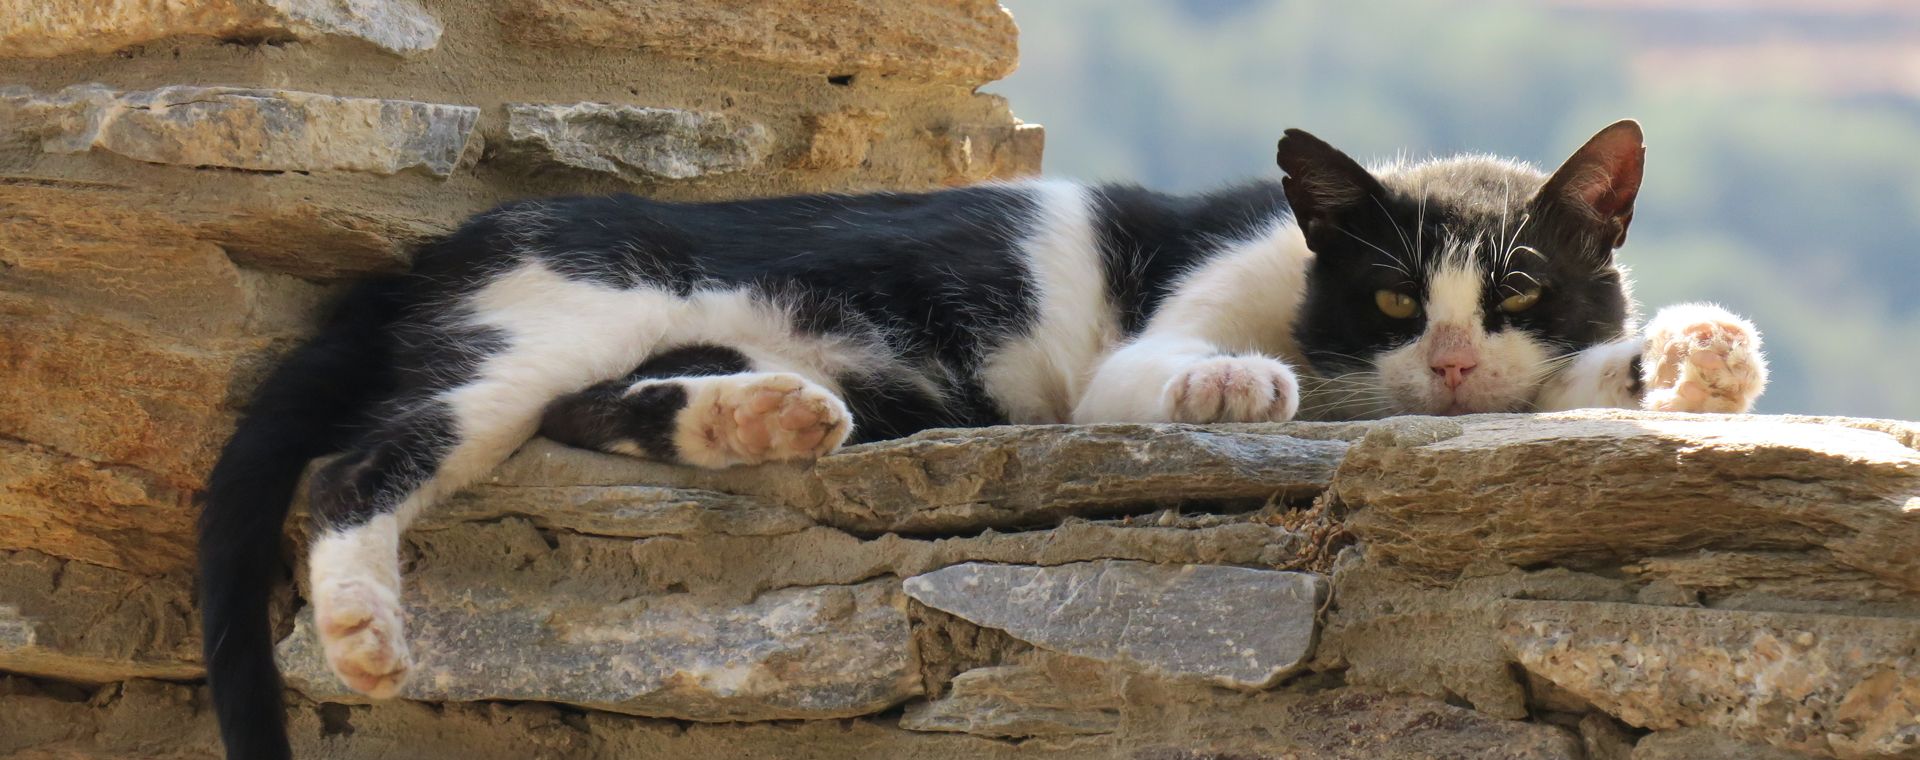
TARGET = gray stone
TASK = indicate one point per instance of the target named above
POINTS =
(637, 144)
(1231, 626)
(1013, 476)
(250, 129)
(621, 511)
(48, 28)
(810, 652)
(1826, 684)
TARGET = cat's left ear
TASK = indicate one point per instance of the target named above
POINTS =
(1600, 181)
(1323, 185)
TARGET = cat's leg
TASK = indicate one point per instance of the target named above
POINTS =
(1690, 358)
(707, 406)
(1187, 379)
(364, 500)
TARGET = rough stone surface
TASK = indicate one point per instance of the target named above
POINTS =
(822, 652)
(1588, 489)
(637, 144)
(1838, 686)
(48, 28)
(1703, 744)
(841, 139)
(1048, 695)
(964, 41)
(1231, 626)
(250, 129)
(81, 622)
(108, 515)
(1007, 477)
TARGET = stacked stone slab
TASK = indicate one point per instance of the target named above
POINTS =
(181, 183)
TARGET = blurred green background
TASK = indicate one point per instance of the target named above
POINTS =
(1783, 175)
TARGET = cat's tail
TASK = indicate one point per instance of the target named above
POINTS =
(308, 407)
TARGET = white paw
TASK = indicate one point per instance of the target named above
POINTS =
(1701, 358)
(755, 418)
(365, 641)
(1233, 389)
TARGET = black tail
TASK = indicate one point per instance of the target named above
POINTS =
(308, 407)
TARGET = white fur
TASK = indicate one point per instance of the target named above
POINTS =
(1508, 365)
(1037, 377)
(562, 335)
(1697, 358)
(1226, 331)
(1599, 377)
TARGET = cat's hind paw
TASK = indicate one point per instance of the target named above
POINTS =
(759, 417)
(1701, 358)
(360, 629)
(1233, 389)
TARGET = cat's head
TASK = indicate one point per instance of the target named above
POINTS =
(1456, 285)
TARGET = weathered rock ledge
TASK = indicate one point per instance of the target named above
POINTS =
(1589, 585)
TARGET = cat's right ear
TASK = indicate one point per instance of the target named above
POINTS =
(1599, 182)
(1323, 185)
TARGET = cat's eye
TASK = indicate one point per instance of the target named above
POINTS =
(1521, 301)
(1396, 304)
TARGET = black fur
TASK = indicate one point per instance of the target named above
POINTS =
(605, 413)
(310, 405)
(1148, 238)
(934, 281)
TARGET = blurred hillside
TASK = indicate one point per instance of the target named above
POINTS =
(1784, 136)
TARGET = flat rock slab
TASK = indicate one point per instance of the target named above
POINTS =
(49, 28)
(1832, 685)
(1604, 488)
(620, 511)
(797, 653)
(1231, 626)
(79, 622)
(250, 129)
(1013, 476)
(965, 41)
(637, 144)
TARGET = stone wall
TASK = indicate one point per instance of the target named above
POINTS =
(181, 183)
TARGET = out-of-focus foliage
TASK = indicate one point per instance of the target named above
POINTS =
(1796, 207)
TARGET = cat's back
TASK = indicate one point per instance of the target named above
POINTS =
(628, 240)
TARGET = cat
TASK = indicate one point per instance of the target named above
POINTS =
(742, 332)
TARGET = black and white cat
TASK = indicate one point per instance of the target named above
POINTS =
(734, 333)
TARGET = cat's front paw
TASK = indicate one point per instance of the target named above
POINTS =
(1701, 358)
(360, 628)
(1233, 389)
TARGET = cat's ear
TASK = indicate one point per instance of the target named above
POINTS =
(1601, 179)
(1322, 184)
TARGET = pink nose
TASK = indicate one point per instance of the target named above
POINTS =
(1454, 370)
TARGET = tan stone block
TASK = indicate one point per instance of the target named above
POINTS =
(48, 28)
(110, 391)
(109, 515)
(1833, 685)
(964, 41)
(841, 139)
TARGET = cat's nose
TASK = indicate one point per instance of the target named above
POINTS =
(1453, 370)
